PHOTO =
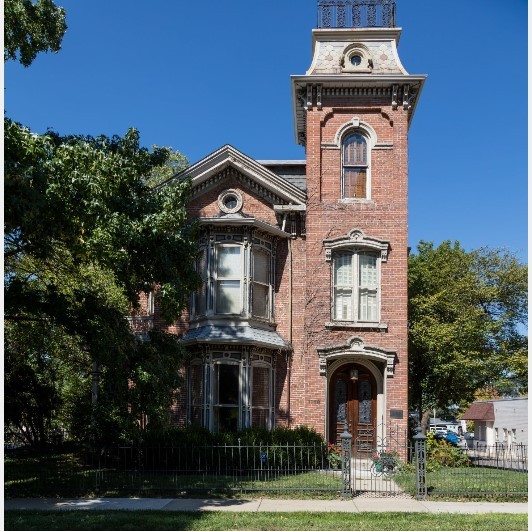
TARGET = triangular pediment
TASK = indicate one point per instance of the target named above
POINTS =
(229, 162)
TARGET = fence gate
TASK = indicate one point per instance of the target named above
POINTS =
(374, 466)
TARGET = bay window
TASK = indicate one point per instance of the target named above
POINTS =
(231, 390)
(236, 278)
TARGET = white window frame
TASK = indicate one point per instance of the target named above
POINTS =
(211, 279)
(240, 279)
(353, 242)
(355, 286)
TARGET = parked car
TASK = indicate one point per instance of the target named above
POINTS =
(448, 436)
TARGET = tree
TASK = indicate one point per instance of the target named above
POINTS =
(30, 28)
(467, 313)
(85, 232)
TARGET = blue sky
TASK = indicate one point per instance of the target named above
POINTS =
(196, 76)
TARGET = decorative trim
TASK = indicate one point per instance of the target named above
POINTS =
(356, 123)
(356, 238)
(309, 97)
(366, 64)
(355, 346)
(406, 104)
(318, 97)
(226, 194)
(395, 92)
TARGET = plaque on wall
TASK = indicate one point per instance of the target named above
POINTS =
(396, 413)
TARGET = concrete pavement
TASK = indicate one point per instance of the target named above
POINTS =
(351, 505)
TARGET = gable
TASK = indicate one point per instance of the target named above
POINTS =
(228, 162)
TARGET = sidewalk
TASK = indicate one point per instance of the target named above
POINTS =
(351, 505)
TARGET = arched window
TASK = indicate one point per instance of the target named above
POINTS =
(355, 167)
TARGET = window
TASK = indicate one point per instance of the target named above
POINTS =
(355, 167)
(228, 279)
(236, 278)
(261, 283)
(355, 286)
(229, 391)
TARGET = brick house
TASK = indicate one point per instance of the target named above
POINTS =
(302, 315)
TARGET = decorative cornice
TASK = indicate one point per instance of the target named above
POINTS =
(356, 238)
(355, 346)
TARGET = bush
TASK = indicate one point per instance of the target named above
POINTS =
(442, 454)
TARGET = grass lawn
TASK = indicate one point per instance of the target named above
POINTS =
(471, 481)
(162, 520)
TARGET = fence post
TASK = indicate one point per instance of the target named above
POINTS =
(420, 450)
(346, 461)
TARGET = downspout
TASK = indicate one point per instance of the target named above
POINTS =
(288, 357)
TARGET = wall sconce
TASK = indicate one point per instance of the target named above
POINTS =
(353, 375)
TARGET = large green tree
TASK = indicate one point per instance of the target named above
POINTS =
(86, 231)
(31, 28)
(467, 317)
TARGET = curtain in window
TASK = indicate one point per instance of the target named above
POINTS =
(229, 273)
(367, 288)
(343, 287)
(261, 283)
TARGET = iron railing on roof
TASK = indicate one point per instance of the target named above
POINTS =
(356, 14)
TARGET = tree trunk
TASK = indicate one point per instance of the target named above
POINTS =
(425, 418)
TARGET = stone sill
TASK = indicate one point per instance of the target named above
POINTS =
(354, 326)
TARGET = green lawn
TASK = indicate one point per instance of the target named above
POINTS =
(471, 481)
(222, 521)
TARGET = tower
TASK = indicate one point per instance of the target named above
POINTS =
(352, 110)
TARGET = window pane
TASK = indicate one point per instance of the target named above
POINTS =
(364, 402)
(260, 418)
(355, 182)
(261, 267)
(261, 300)
(367, 271)
(343, 282)
(227, 383)
(355, 151)
(229, 262)
(367, 305)
(228, 298)
(343, 270)
(261, 387)
(343, 304)
(225, 419)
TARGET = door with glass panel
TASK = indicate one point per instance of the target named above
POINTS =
(353, 398)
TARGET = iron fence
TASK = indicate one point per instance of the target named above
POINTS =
(386, 469)
(356, 13)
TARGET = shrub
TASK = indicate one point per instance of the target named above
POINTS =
(441, 454)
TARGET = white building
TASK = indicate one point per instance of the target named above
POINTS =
(502, 421)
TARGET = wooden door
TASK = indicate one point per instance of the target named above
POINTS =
(353, 398)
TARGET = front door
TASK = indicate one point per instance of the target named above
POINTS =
(353, 397)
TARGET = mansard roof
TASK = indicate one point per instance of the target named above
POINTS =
(226, 161)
